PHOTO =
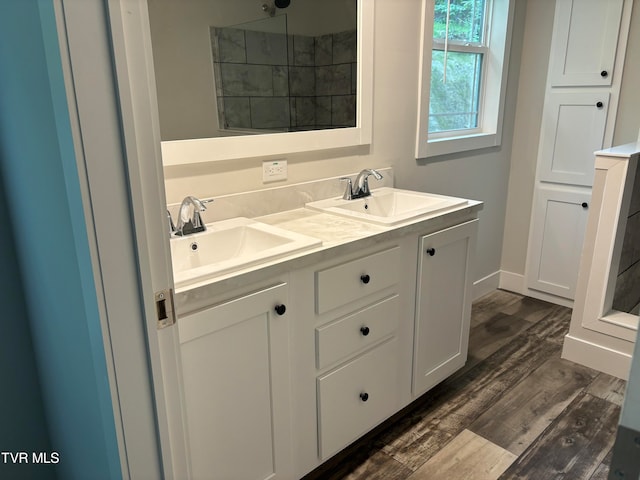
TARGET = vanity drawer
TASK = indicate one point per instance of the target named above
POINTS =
(357, 396)
(345, 283)
(356, 332)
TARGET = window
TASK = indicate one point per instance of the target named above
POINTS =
(463, 75)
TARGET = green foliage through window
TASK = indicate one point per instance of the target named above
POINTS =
(455, 97)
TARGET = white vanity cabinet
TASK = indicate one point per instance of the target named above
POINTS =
(236, 387)
(443, 304)
(357, 318)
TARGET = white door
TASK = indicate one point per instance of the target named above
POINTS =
(560, 219)
(586, 35)
(572, 130)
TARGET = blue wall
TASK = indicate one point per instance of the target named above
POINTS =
(42, 193)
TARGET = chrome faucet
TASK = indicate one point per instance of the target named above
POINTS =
(189, 220)
(360, 188)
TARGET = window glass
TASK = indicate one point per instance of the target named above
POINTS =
(456, 74)
(466, 20)
(454, 103)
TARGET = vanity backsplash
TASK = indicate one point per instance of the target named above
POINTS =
(258, 203)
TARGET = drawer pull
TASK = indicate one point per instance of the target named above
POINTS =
(604, 74)
(364, 396)
(280, 309)
(365, 278)
(364, 330)
(431, 251)
(585, 205)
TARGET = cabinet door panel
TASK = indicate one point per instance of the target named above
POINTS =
(586, 35)
(556, 244)
(573, 129)
(235, 371)
(442, 305)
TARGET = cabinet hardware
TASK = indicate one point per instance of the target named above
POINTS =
(280, 309)
(365, 331)
(365, 278)
(364, 396)
(431, 251)
(585, 205)
(599, 105)
(604, 74)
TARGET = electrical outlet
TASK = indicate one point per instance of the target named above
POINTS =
(274, 170)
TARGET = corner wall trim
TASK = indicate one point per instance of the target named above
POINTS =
(595, 356)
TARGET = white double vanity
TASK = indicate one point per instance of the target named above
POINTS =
(289, 356)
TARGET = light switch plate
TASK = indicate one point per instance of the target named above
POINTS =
(274, 170)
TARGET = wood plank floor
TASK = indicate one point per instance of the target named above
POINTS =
(515, 411)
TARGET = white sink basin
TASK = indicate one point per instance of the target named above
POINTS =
(231, 245)
(388, 206)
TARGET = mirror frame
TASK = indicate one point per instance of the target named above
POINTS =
(201, 150)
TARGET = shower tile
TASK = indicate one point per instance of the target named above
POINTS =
(237, 112)
(231, 45)
(246, 80)
(333, 80)
(280, 81)
(302, 81)
(344, 47)
(323, 50)
(303, 50)
(323, 111)
(305, 112)
(266, 48)
(343, 110)
(270, 112)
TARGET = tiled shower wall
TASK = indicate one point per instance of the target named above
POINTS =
(284, 82)
(627, 293)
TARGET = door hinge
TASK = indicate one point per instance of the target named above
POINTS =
(165, 312)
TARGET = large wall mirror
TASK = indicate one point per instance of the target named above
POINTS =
(246, 78)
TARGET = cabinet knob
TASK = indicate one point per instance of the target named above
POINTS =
(604, 74)
(280, 309)
(431, 251)
(599, 104)
(365, 278)
(364, 396)
(364, 330)
(585, 205)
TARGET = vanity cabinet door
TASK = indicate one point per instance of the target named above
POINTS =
(572, 129)
(443, 304)
(235, 372)
(557, 235)
(585, 39)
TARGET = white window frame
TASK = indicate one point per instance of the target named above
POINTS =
(499, 16)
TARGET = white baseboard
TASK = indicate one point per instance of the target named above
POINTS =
(596, 356)
(515, 282)
(485, 285)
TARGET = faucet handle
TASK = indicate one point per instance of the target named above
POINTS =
(348, 192)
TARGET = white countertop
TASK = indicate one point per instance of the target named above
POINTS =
(340, 236)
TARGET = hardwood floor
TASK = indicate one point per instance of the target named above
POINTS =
(515, 411)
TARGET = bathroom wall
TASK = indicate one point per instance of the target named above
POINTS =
(535, 60)
(481, 175)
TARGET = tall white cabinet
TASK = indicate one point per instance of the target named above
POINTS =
(583, 84)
